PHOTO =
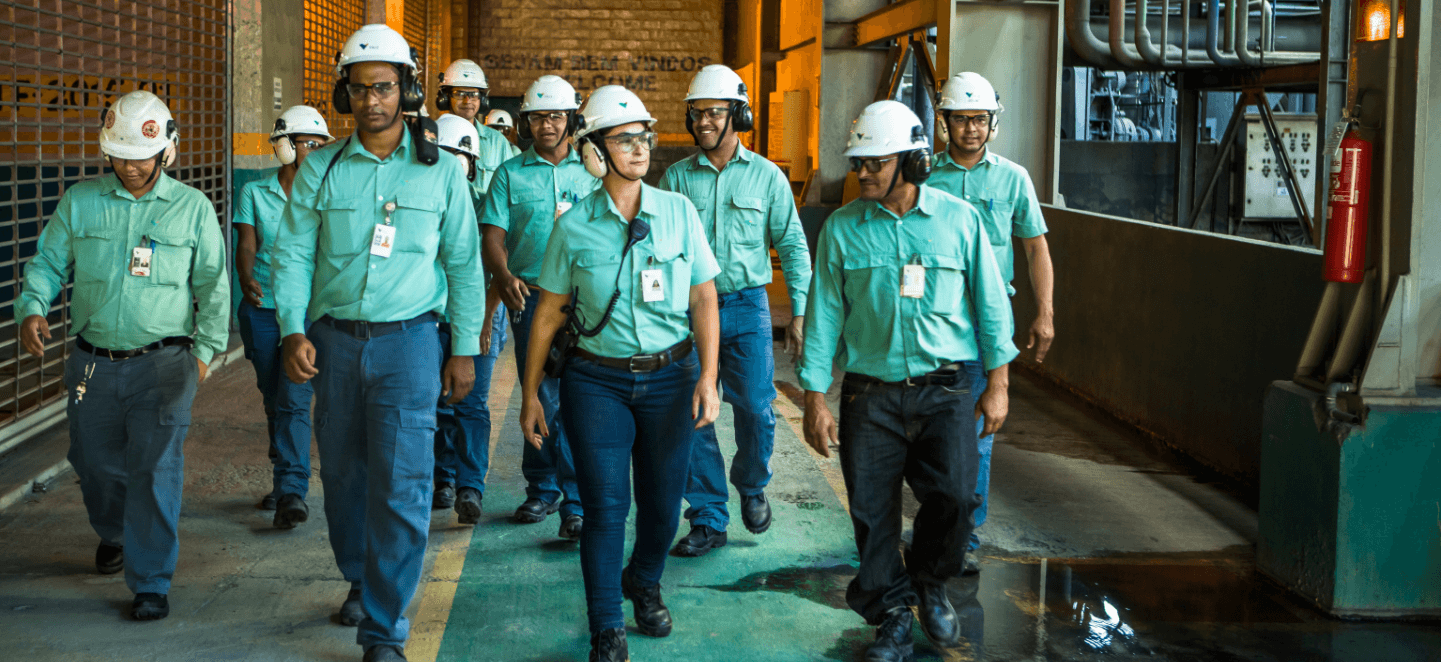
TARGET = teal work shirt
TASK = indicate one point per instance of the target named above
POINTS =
(1002, 191)
(746, 209)
(584, 252)
(856, 307)
(524, 197)
(322, 261)
(495, 149)
(260, 205)
(94, 231)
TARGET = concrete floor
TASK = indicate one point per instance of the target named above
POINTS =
(1098, 548)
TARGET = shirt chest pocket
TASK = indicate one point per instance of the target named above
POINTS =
(997, 208)
(674, 267)
(417, 223)
(170, 263)
(595, 274)
(749, 224)
(945, 282)
(870, 279)
(98, 254)
(341, 230)
(529, 205)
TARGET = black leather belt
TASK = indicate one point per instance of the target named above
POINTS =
(943, 376)
(367, 330)
(122, 354)
(641, 362)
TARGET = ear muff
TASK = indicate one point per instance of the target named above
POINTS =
(916, 166)
(442, 95)
(466, 163)
(596, 162)
(742, 118)
(284, 149)
(339, 98)
(522, 127)
(173, 135)
(412, 92)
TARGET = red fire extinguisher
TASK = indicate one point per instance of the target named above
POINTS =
(1350, 191)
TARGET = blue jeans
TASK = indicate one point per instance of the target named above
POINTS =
(924, 435)
(287, 404)
(619, 420)
(747, 374)
(462, 438)
(984, 444)
(375, 425)
(126, 437)
(549, 472)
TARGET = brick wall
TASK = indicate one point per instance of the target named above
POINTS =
(653, 47)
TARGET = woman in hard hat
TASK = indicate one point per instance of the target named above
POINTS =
(298, 131)
(462, 448)
(634, 262)
(152, 305)
(500, 120)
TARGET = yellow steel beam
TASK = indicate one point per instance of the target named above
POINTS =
(897, 19)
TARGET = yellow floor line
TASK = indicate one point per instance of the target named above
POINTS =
(431, 618)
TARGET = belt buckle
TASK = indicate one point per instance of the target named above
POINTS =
(633, 364)
(110, 354)
(913, 381)
(361, 330)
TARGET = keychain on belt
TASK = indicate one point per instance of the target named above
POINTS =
(80, 388)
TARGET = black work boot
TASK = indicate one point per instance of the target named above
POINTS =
(289, 511)
(893, 638)
(651, 615)
(699, 541)
(149, 607)
(383, 653)
(467, 506)
(351, 611)
(109, 559)
(609, 646)
(756, 513)
(444, 497)
(535, 510)
(938, 617)
(571, 526)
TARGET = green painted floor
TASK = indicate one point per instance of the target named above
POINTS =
(777, 596)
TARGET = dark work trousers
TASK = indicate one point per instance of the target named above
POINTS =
(925, 435)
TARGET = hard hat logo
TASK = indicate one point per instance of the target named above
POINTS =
(150, 129)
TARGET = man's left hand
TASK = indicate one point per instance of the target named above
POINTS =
(994, 404)
(796, 337)
(204, 370)
(457, 378)
(1043, 331)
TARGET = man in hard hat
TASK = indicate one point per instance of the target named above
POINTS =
(298, 131)
(462, 440)
(152, 307)
(500, 120)
(527, 195)
(1001, 190)
(369, 235)
(465, 92)
(906, 289)
(746, 206)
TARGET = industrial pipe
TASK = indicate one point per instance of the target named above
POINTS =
(1333, 411)
(1242, 15)
(1213, 33)
(1082, 40)
(1149, 52)
(1388, 152)
(1128, 57)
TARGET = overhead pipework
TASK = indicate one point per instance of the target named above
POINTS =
(1227, 41)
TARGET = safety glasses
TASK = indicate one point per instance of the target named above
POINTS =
(975, 121)
(629, 142)
(717, 113)
(547, 118)
(457, 95)
(309, 144)
(382, 90)
(872, 166)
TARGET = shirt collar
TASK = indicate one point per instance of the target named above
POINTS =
(742, 154)
(273, 183)
(165, 188)
(648, 204)
(925, 205)
(533, 158)
(355, 147)
(944, 159)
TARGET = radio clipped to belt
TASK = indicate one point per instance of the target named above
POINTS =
(568, 335)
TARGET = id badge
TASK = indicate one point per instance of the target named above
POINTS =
(140, 261)
(913, 281)
(652, 285)
(383, 240)
(562, 207)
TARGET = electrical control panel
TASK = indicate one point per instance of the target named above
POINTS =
(1265, 190)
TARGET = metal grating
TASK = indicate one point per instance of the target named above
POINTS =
(327, 25)
(61, 63)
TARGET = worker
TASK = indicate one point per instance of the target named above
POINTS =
(634, 263)
(151, 306)
(527, 195)
(500, 120)
(1001, 190)
(906, 289)
(373, 244)
(465, 92)
(298, 131)
(462, 437)
(746, 207)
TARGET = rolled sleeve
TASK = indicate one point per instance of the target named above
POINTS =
(825, 315)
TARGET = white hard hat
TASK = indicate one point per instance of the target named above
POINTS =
(300, 120)
(376, 42)
(464, 73)
(549, 93)
(611, 106)
(458, 134)
(969, 91)
(884, 128)
(717, 81)
(139, 126)
(499, 117)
